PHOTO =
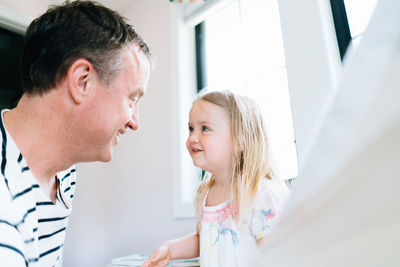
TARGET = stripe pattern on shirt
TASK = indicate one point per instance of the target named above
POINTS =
(32, 227)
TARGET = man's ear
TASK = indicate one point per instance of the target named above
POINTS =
(79, 79)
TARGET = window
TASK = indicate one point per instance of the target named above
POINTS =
(244, 54)
(10, 51)
(359, 13)
(236, 45)
(351, 18)
(12, 31)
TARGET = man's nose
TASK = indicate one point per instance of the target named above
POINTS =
(133, 122)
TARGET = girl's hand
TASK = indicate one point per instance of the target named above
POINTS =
(159, 258)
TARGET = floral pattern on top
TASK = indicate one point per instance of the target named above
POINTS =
(264, 216)
(216, 220)
(225, 244)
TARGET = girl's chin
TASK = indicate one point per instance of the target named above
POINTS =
(197, 164)
(200, 166)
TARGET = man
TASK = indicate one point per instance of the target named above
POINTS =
(84, 70)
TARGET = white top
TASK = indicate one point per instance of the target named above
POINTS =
(32, 227)
(223, 243)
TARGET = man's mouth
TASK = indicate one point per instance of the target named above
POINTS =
(119, 133)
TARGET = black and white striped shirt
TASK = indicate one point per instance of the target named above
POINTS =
(32, 228)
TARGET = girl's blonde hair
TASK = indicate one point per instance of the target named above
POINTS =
(251, 157)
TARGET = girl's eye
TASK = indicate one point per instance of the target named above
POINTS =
(190, 129)
(205, 129)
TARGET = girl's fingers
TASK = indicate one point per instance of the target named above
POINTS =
(162, 253)
(158, 258)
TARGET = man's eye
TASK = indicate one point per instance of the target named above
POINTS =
(134, 101)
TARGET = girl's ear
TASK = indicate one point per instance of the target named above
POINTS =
(79, 77)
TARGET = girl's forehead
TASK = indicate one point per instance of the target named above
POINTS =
(206, 111)
(206, 107)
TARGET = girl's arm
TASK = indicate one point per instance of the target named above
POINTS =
(181, 248)
(185, 247)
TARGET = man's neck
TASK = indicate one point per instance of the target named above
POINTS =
(34, 129)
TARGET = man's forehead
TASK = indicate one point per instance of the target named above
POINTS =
(139, 73)
(137, 56)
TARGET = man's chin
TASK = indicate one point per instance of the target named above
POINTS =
(103, 158)
(106, 156)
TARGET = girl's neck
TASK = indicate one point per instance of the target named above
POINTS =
(220, 190)
(218, 193)
(222, 177)
(222, 185)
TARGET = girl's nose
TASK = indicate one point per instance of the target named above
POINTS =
(194, 139)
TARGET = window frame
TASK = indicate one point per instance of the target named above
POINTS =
(13, 24)
(13, 21)
(201, 64)
(341, 24)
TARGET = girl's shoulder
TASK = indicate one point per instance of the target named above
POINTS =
(271, 193)
(270, 200)
(273, 187)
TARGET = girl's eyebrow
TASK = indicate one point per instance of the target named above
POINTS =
(202, 122)
(205, 122)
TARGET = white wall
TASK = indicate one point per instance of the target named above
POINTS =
(29, 9)
(126, 206)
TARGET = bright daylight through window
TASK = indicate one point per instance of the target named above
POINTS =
(358, 15)
(244, 54)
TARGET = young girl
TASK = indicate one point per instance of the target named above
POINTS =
(238, 203)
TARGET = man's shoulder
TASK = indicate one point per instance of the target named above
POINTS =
(14, 226)
(9, 210)
(5, 195)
